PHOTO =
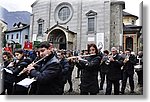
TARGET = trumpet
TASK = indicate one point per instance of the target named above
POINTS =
(33, 64)
(126, 58)
(107, 62)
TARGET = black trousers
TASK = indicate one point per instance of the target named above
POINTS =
(69, 79)
(8, 87)
(20, 90)
(124, 81)
(102, 75)
(109, 87)
(140, 77)
(78, 72)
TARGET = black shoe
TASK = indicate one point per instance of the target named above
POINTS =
(141, 85)
(122, 92)
(70, 90)
(100, 88)
(132, 92)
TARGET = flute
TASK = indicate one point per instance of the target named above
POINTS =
(33, 63)
(73, 57)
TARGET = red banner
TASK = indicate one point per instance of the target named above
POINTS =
(27, 45)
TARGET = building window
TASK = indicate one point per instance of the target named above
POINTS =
(7, 37)
(40, 27)
(91, 21)
(64, 13)
(12, 36)
(133, 22)
(26, 36)
(17, 36)
(40, 30)
(91, 24)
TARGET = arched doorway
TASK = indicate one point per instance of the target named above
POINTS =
(58, 38)
(129, 43)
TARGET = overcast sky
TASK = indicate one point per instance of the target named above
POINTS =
(131, 6)
(17, 5)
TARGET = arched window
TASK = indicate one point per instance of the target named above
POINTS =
(129, 43)
(133, 22)
(64, 13)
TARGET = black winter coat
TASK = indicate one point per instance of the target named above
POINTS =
(16, 69)
(114, 71)
(104, 67)
(48, 77)
(7, 77)
(89, 74)
(129, 66)
(65, 69)
(23, 63)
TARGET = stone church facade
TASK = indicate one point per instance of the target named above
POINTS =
(72, 24)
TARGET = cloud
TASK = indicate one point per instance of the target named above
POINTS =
(17, 5)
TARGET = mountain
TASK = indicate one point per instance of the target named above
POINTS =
(2, 12)
(14, 17)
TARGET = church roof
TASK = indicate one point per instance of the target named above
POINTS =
(131, 28)
(128, 14)
(34, 3)
(57, 25)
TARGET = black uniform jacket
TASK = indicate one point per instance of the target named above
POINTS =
(89, 74)
(114, 71)
(48, 77)
(129, 66)
(16, 69)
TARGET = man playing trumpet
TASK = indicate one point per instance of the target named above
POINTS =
(128, 70)
(114, 72)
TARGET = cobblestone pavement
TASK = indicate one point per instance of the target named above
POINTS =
(76, 88)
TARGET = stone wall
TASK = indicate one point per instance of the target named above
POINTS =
(106, 16)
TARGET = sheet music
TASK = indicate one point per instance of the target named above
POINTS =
(26, 82)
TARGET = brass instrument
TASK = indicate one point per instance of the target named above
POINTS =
(33, 63)
(107, 62)
(126, 58)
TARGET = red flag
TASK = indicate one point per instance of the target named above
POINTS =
(27, 45)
